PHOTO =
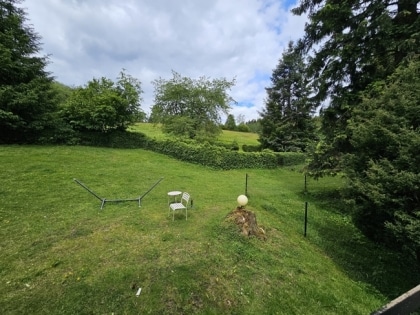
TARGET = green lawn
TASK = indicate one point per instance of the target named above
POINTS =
(61, 254)
(153, 131)
(226, 137)
(241, 138)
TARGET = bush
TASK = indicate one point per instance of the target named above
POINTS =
(243, 128)
(190, 151)
(293, 158)
(251, 148)
(222, 158)
(234, 146)
(114, 139)
(58, 131)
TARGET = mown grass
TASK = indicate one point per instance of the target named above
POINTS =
(153, 131)
(248, 138)
(61, 254)
(226, 137)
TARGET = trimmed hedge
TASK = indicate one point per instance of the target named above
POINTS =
(205, 154)
(215, 156)
(114, 139)
(251, 148)
(293, 158)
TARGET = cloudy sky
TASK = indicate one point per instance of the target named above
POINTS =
(241, 39)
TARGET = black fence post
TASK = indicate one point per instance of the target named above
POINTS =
(306, 219)
(246, 184)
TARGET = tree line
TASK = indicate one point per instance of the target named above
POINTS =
(36, 108)
(346, 93)
(358, 65)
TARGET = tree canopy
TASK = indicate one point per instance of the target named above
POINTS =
(286, 123)
(364, 59)
(191, 108)
(26, 97)
(352, 44)
(230, 123)
(103, 105)
(384, 170)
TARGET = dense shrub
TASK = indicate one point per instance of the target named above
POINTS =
(234, 146)
(198, 153)
(114, 139)
(251, 148)
(243, 128)
(223, 158)
(293, 158)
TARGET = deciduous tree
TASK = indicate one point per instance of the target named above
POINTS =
(191, 108)
(103, 105)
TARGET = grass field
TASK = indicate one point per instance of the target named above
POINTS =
(153, 131)
(226, 137)
(62, 254)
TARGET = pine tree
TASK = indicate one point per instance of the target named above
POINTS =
(286, 123)
(365, 59)
(230, 123)
(384, 170)
(352, 44)
(26, 97)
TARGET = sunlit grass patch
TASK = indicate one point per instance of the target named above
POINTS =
(227, 137)
(62, 254)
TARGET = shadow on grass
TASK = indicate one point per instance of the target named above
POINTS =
(390, 272)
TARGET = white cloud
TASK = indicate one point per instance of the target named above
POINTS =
(232, 39)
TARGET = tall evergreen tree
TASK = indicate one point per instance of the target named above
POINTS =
(230, 123)
(286, 123)
(361, 60)
(384, 170)
(26, 97)
(353, 44)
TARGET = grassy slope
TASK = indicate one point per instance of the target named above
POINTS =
(151, 130)
(61, 254)
(227, 136)
(241, 138)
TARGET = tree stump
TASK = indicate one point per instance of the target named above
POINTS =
(247, 222)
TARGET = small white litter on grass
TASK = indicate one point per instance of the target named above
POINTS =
(138, 292)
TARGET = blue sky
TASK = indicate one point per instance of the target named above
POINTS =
(241, 39)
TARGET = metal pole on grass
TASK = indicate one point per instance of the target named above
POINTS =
(88, 189)
(141, 197)
(246, 184)
(306, 218)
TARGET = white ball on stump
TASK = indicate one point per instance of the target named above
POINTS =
(242, 200)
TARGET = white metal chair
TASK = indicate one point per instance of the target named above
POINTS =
(185, 199)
